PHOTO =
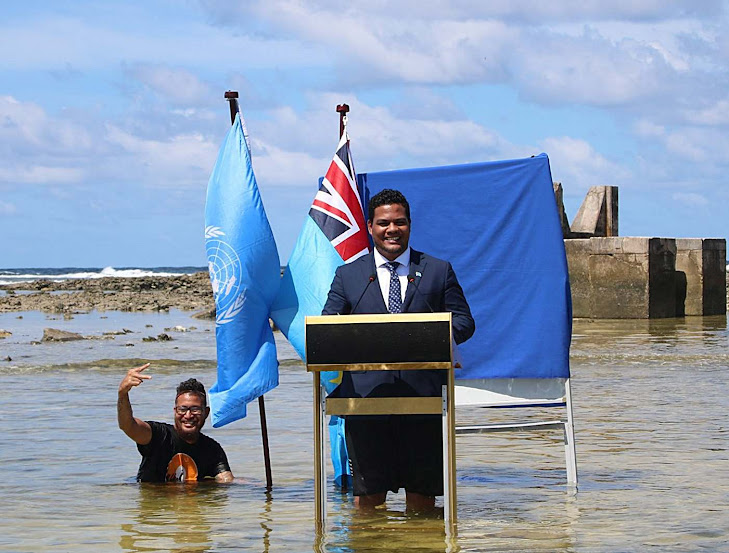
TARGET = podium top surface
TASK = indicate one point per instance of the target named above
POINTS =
(378, 318)
(402, 341)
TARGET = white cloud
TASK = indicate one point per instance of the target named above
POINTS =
(682, 144)
(7, 208)
(531, 11)
(36, 148)
(276, 167)
(628, 59)
(589, 70)
(91, 42)
(39, 174)
(716, 114)
(648, 129)
(706, 146)
(175, 85)
(577, 165)
(178, 161)
(26, 125)
(196, 114)
(632, 51)
(294, 147)
(380, 48)
(690, 199)
(589, 52)
(381, 138)
(426, 103)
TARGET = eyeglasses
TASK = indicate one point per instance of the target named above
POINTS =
(182, 409)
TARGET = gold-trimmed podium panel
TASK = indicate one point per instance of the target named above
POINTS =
(380, 366)
(384, 406)
(378, 318)
(407, 341)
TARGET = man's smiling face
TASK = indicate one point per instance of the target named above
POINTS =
(390, 230)
(190, 414)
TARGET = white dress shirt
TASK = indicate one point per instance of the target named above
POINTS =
(383, 273)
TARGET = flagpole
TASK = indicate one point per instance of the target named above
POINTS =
(232, 97)
(342, 110)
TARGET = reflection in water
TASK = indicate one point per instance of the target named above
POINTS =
(174, 517)
(267, 522)
(649, 331)
(386, 528)
(543, 517)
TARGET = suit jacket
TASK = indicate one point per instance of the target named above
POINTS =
(437, 289)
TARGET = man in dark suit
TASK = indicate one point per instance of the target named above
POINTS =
(392, 452)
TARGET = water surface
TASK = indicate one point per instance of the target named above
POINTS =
(650, 405)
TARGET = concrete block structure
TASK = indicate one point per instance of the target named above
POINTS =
(634, 277)
(559, 198)
(598, 214)
(622, 277)
(700, 276)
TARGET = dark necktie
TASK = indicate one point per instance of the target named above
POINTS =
(394, 303)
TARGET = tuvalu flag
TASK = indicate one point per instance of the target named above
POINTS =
(333, 233)
(245, 275)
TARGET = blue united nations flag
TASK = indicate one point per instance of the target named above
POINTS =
(245, 276)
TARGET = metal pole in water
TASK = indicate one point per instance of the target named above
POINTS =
(232, 97)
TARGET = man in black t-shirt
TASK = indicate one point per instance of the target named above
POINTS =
(173, 453)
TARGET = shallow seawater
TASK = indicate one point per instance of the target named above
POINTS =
(650, 405)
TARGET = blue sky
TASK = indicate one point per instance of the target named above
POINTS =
(112, 112)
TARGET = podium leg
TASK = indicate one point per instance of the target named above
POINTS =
(450, 495)
(320, 497)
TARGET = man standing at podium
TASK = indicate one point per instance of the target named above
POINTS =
(389, 452)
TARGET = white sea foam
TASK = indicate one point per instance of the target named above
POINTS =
(10, 276)
(128, 273)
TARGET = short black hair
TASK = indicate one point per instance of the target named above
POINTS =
(192, 386)
(387, 197)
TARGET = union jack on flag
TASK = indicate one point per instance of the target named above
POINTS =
(337, 207)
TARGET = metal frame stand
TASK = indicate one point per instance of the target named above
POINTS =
(521, 401)
(443, 406)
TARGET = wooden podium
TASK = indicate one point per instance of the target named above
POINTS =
(404, 341)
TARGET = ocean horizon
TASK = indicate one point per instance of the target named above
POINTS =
(14, 275)
(29, 274)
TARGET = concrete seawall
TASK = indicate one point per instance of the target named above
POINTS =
(622, 278)
(641, 278)
(614, 277)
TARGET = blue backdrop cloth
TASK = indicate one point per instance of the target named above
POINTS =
(245, 275)
(497, 223)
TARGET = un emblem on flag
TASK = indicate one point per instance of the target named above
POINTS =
(225, 275)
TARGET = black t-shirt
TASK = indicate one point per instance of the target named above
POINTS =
(207, 454)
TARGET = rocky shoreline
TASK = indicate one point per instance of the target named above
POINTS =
(151, 293)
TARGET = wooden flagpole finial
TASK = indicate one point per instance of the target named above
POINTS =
(342, 110)
(232, 97)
